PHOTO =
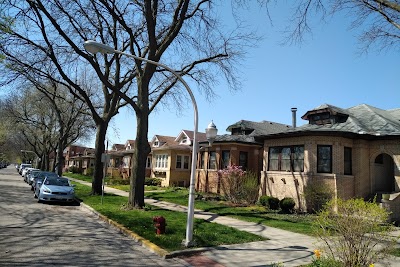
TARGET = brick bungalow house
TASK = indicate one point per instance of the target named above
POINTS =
(171, 158)
(121, 158)
(242, 147)
(71, 155)
(355, 152)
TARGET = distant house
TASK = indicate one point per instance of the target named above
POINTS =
(171, 158)
(116, 154)
(355, 152)
(72, 156)
(81, 158)
(242, 148)
(121, 160)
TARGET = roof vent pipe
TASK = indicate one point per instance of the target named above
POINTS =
(294, 117)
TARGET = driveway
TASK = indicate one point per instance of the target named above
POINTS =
(33, 234)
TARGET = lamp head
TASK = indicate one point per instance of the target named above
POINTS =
(95, 47)
(211, 133)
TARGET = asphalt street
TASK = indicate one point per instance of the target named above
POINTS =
(35, 234)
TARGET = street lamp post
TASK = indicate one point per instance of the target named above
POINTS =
(95, 47)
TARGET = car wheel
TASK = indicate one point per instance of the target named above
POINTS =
(39, 201)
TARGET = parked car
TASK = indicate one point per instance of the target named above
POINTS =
(23, 166)
(26, 171)
(31, 175)
(41, 175)
(55, 189)
(36, 183)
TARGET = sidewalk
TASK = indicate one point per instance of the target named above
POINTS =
(290, 249)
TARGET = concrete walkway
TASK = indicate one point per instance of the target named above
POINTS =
(288, 248)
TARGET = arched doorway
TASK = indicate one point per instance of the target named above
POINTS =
(384, 173)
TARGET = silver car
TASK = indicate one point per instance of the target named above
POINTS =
(55, 189)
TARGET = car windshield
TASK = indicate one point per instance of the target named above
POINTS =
(48, 174)
(56, 181)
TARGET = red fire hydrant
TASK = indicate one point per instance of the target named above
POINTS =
(159, 224)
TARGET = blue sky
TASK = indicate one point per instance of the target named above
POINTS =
(326, 68)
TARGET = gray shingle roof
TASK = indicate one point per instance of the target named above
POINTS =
(260, 128)
(363, 119)
(236, 138)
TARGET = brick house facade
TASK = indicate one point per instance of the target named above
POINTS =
(241, 148)
(355, 152)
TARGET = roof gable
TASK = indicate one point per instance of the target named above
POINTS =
(185, 137)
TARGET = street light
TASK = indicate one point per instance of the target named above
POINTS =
(95, 47)
(211, 133)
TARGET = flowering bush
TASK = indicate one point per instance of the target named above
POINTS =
(239, 186)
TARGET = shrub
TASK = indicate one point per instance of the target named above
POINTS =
(353, 231)
(287, 204)
(269, 202)
(316, 196)
(89, 171)
(119, 181)
(239, 186)
(75, 169)
(264, 200)
(152, 181)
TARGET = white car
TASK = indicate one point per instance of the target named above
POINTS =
(26, 170)
(23, 166)
(55, 189)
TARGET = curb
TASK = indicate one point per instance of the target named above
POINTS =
(122, 229)
(144, 242)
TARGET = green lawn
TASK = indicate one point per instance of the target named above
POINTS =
(78, 176)
(299, 223)
(205, 234)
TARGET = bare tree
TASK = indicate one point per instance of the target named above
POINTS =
(378, 20)
(38, 36)
(185, 35)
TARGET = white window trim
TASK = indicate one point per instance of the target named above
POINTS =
(182, 162)
(161, 161)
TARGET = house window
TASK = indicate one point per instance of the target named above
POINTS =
(182, 162)
(243, 156)
(202, 160)
(184, 139)
(212, 160)
(156, 143)
(347, 161)
(289, 158)
(161, 161)
(148, 162)
(298, 158)
(324, 159)
(226, 154)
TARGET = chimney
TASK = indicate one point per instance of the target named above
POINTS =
(294, 117)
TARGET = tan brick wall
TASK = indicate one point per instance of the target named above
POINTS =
(207, 179)
(292, 184)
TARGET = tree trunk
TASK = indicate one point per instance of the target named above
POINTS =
(142, 150)
(98, 172)
(59, 162)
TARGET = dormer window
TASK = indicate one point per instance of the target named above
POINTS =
(184, 140)
(156, 143)
(240, 131)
